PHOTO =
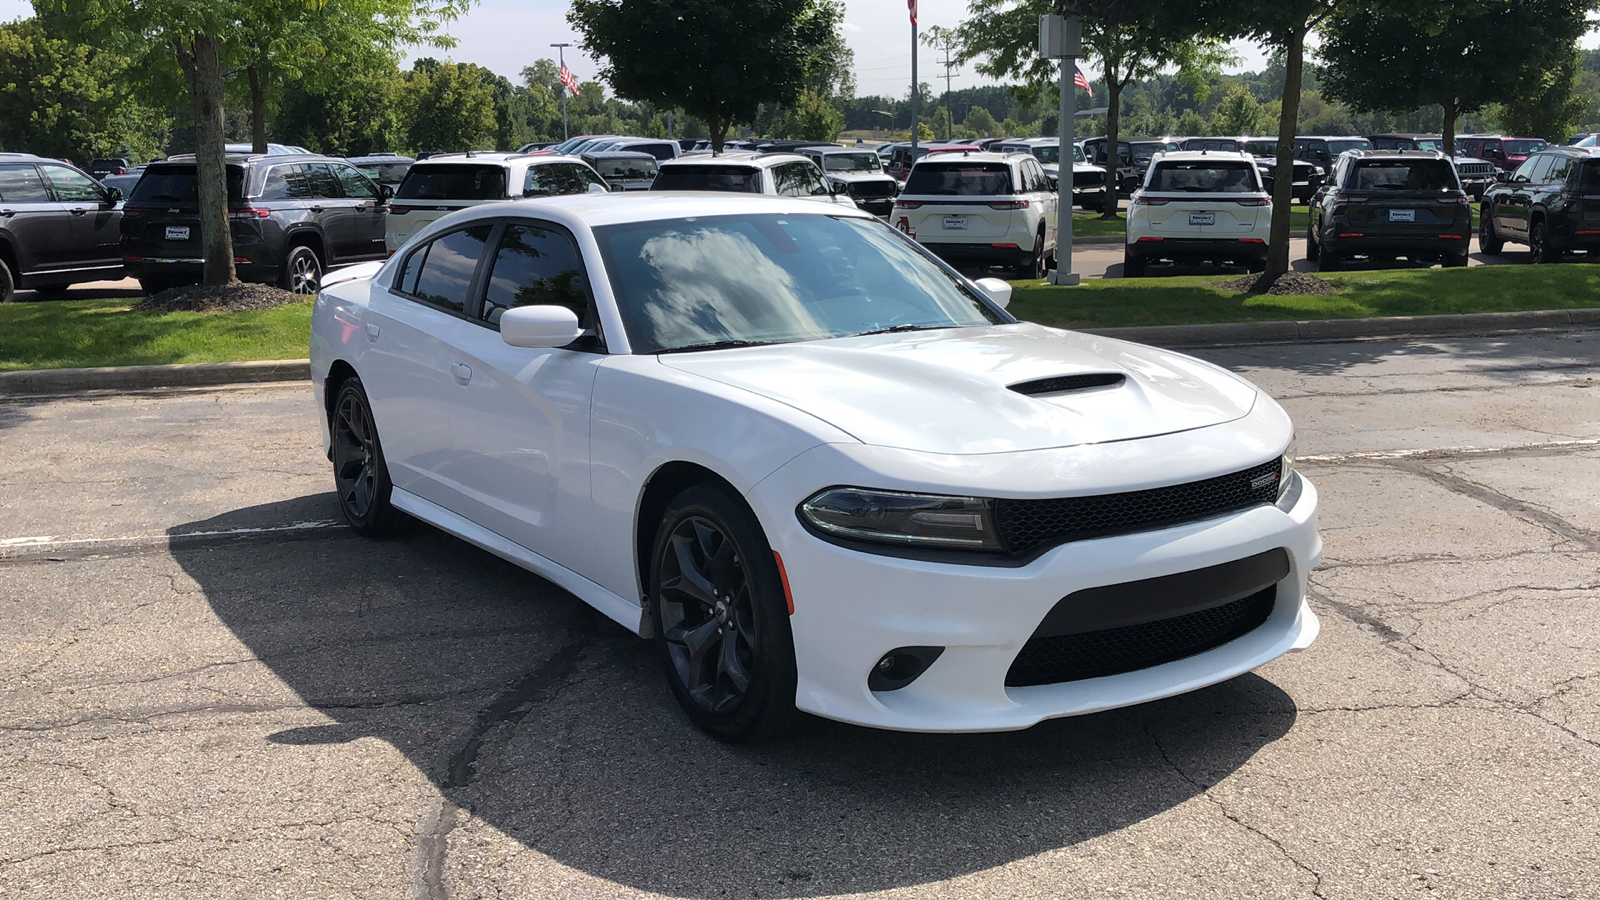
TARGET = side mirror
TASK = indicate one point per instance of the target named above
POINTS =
(616, 187)
(995, 290)
(1502, 177)
(385, 193)
(539, 326)
(598, 188)
(1055, 183)
(113, 195)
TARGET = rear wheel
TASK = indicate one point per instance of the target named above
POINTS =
(1488, 239)
(1329, 262)
(1456, 261)
(302, 271)
(720, 616)
(1312, 249)
(8, 284)
(1033, 269)
(360, 474)
(1132, 266)
(1539, 248)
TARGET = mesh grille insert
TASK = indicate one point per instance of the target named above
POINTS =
(1029, 525)
(1095, 654)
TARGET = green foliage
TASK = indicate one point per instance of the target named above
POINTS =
(1553, 106)
(979, 122)
(1238, 113)
(450, 107)
(811, 118)
(355, 117)
(71, 100)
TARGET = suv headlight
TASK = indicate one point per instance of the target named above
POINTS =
(895, 517)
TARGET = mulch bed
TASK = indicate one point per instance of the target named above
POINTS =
(1291, 284)
(208, 298)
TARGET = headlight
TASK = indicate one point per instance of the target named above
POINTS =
(1319, 171)
(893, 517)
(1286, 470)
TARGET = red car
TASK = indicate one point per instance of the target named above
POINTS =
(903, 158)
(1505, 152)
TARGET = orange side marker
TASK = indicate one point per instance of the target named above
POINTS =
(783, 575)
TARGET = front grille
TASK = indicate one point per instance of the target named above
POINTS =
(1088, 179)
(1029, 525)
(1113, 651)
(1474, 168)
(872, 189)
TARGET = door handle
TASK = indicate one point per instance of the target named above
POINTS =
(372, 331)
(7, 213)
(316, 209)
(78, 212)
(462, 373)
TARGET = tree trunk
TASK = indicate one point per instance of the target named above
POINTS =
(202, 68)
(1452, 112)
(719, 133)
(1283, 172)
(258, 111)
(1113, 150)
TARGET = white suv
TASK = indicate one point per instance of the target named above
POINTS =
(444, 183)
(1088, 179)
(1199, 207)
(781, 174)
(981, 209)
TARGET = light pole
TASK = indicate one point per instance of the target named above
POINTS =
(561, 56)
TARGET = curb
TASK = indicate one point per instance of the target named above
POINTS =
(70, 381)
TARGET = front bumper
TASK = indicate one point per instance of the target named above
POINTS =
(853, 607)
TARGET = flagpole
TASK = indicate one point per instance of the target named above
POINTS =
(561, 56)
(914, 91)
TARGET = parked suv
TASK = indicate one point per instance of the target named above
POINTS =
(1308, 176)
(983, 209)
(905, 156)
(293, 217)
(100, 167)
(1383, 204)
(624, 170)
(1199, 207)
(1551, 203)
(857, 172)
(442, 184)
(1088, 179)
(1322, 150)
(58, 226)
(1506, 152)
(783, 174)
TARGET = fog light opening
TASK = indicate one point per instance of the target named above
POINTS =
(900, 667)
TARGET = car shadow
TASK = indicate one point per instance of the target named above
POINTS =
(556, 728)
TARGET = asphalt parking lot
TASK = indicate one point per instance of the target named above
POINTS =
(215, 691)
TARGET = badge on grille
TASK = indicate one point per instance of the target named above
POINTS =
(1263, 482)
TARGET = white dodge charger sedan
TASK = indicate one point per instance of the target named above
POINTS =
(816, 466)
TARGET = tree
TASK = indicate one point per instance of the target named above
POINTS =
(1555, 108)
(450, 106)
(1516, 52)
(980, 122)
(1239, 112)
(718, 61)
(71, 100)
(359, 115)
(812, 118)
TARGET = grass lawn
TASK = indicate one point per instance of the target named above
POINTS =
(1413, 292)
(73, 334)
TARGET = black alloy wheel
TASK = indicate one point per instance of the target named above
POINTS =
(1488, 239)
(302, 271)
(1539, 248)
(720, 618)
(8, 284)
(360, 475)
(1313, 250)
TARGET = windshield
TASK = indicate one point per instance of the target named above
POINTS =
(734, 179)
(1050, 154)
(1523, 148)
(1144, 152)
(179, 184)
(959, 178)
(1434, 144)
(1203, 177)
(626, 168)
(684, 283)
(453, 181)
(1421, 175)
(1337, 147)
(864, 161)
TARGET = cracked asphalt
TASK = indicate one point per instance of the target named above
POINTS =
(215, 691)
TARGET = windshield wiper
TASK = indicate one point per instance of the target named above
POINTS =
(895, 329)
(717, 345)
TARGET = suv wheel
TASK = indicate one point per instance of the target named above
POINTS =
(1455, 261)
(1488, 239)
(1329, 262)
(302, 271)
(1033, 269)
(1132, 266)
(1312, 249)
(8, 284)
(1539, 249)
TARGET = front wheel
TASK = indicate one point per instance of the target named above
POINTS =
(360, 474)
(1488, 239)
(8, 283)
(720, 616)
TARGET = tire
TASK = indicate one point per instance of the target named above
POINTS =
(1456, 261)
(1488, 240)
(1329, 262)
(152, 286)
(1033, 269)
(1256, 266)
(1132, 266)
(302, 271)
(720, 617)
(8, 284)
(360, 474)
(1539, 249)
(1313, 249)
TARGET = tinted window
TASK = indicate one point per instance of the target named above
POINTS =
(323, 184)
(865, 161)
(801, 179)
(353, 183)
(626, 168)
(554, 179)
(72, 186)
(1588, 176)
(286, 183)
(738, 179)
(536, 266)
(1211, 144)
(1427, 175)
(1338, 147)
(960, 179)
(1525, 171)
(659, 151)
(1560, 168)
(1523, 148)
(453, 181)
(1051, 153)
(446, 271)
(1203, 176)
(178, 184)
(22, 184)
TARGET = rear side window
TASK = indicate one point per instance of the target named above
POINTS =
(1588, 176)
(1523, 148)
(1560, 168)
(179, 184)
(22, 184)
(1204, 177)
(960, 179)
(659, 151)
(1427, 175)
(555, 179)
(453, 181)
(286, 183)
(440, 274)
(536, 266)
(737, 179)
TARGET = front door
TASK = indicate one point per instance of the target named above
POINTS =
(359, 233)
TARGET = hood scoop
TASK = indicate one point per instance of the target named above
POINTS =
(1066, 384)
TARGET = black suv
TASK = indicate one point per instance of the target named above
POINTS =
(1384, 204)
(292, 217)
(1323, 150)
(1551, 203)
(58, 226)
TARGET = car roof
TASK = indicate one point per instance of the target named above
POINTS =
(244, 158)
(600, 210)
(506, 159)
(617, 154)
(1396, 154)
(939, 156)
(379, 158)
(738, 157)
(1195, 155)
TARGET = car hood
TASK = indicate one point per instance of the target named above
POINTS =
(953, 391)
(855, 177)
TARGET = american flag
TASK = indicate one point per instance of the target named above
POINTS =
(912, 4)
(570, 81)
(1077, 78)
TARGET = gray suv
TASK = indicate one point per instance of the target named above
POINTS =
(58, 226)
(293, 217)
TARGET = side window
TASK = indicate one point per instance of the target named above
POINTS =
(286, 182)
(445, 268)
(1525, 172)
(22, 184)
(1560, 168)
(323, 184)
(536, 266)
(554, 179)
(73, 187)
(788, 180)
(354, 184)
(812, 178)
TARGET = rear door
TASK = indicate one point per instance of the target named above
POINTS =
(38, 225)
